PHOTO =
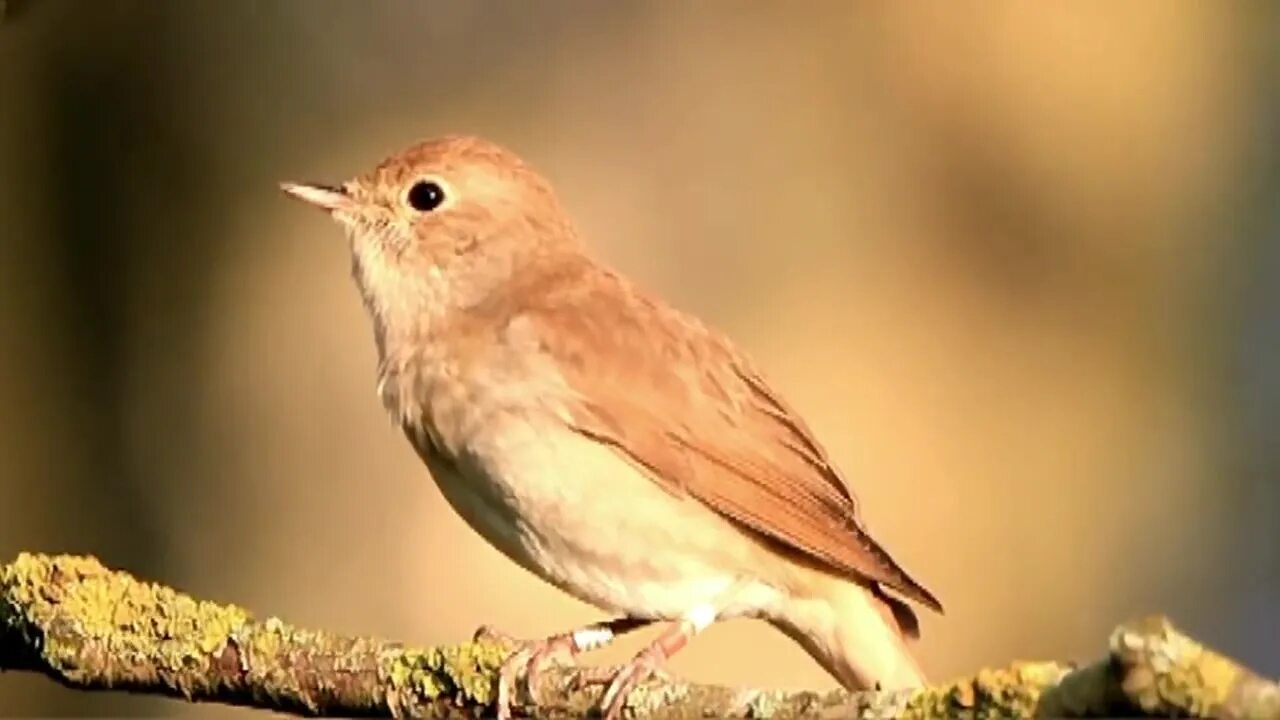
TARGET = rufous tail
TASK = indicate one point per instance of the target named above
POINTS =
(857, 633)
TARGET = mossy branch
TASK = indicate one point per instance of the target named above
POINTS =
(88, 627)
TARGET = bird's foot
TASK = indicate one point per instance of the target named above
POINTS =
(530, 657)
(646, 664)
(526, 662)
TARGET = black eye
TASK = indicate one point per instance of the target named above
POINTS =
(425, 196)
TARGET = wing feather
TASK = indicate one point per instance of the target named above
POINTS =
(679, 401)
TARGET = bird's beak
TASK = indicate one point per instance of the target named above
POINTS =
(324, 197)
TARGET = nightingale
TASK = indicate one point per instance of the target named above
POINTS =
(614, 446)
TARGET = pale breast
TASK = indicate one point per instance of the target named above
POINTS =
(493, 429)
(583, 518)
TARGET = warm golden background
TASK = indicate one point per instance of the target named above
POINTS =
(1016, 262)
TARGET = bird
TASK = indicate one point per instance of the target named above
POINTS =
(613, 445)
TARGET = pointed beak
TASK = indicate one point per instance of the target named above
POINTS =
(324, 197)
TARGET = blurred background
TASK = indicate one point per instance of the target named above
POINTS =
(1016, 263)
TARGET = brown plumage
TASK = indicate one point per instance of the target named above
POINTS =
(682, 403)
(614, 446)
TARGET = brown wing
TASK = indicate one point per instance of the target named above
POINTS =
(678, 400)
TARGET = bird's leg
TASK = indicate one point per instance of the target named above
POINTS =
(650, 660)
(530, 656)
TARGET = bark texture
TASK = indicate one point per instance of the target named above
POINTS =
(86, 626)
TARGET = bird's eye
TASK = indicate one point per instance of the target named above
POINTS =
(425, 196)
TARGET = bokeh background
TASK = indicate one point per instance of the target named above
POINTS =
(1017, 263)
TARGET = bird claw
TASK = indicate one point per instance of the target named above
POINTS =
(646, 665)
(529, 656)
(526, 661)
(488, 633)
(585, 677)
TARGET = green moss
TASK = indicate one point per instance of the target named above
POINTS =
(1007, 692)
(416, 673)
(267, 641)
(472, 667)
(76, 620)
(467, 669)
(86, 616)
(1166, 670)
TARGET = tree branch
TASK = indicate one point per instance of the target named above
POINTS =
(88, 627)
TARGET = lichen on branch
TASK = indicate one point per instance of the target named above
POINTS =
(89, 627)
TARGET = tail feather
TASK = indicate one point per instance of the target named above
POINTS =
(903, 616)
(858, 634)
